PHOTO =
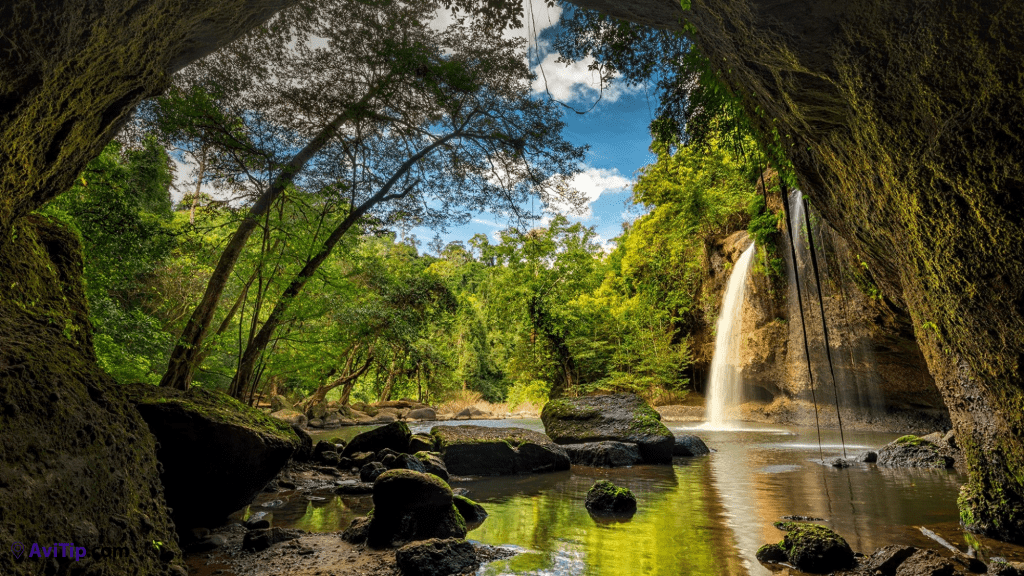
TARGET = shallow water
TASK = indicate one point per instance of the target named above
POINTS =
(705, 515)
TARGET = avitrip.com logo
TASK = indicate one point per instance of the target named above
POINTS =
(24, 551)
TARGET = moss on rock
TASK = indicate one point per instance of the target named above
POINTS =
(604, 496)
(77, 462)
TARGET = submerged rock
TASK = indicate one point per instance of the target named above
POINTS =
(436, 557)
(604, 496)
(912, 452)
(486, 451)
(608, 453)
(403, 462)
(410, 505)
(620, 417)
(394, 436)
(209, 439)
(689, 445)
(809, 547)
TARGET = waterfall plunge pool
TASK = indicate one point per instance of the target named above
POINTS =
(705, 515)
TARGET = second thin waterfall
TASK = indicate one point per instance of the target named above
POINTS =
(725, 385)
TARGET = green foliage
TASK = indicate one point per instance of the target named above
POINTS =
(121, 207)
(764, 228)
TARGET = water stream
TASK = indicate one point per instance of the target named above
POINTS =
(700, 516)
(725, 383)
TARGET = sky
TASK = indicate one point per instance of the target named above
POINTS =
(615, 127)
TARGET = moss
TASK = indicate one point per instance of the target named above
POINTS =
(216, 406)
(646, 420)
(66, 423)
(911, 440)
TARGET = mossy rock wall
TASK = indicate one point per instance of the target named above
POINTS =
(903, 123)
(77, 463)
(72, 71)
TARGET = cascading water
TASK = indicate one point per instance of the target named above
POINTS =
(856, 375)
(725, 384)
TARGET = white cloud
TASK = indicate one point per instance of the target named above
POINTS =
(590, 184)
(487, 223)
(576, 82)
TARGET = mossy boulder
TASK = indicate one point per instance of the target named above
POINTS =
(619, 417)
(605, 497)
(809, 547)
(487, 451)
(421, 443)
(433, 463)
(210, 440)
(912, 452)
(409, 506)
(473, 512)
(394, 436)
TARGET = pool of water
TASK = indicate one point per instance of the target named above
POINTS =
(705, 515)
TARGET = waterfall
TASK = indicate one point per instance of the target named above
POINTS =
(725, 384)
(856, 374)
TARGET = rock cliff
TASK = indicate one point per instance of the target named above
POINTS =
(903, 123)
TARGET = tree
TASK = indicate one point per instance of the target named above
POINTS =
(367, 105)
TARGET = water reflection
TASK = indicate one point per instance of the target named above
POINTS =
(701, 516)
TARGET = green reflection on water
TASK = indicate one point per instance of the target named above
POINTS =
(673, 531)
(324, 516)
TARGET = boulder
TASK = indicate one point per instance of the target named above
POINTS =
(257, 540)
(421, 443)
(370, 472)
(317, 411)
(437, 557)
(332, 420)
(868, 456)
(620, 417)
(470, 510)
(886, 560)
(607, 454)
(322, 447)
(305, 450)
(433, 464)
(357, 531)
(912, 452)
(811, 548)
(486, 451)
(278, 403)
(410, 505)
(689, 445)
(291, 417)
(926, 563)
(403, 462)
(421, 414)
(394, 436)
(365, 408)
(771, 554)
(315, 423)
(606, 497)
(472, 412)
(392, 413)
(211, 440)
(361, 458)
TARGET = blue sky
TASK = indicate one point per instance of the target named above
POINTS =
(616, 129)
